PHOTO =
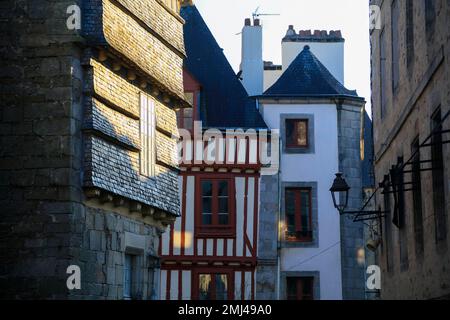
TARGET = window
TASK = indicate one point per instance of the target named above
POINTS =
(298, 215)
(216, 207)
(127, 277)
(438, 178)
(383, 73)
(213, 286)
(300, 288)
(147, 131)
(395, 17)
(409, 32)
(401, 216)
(417, 197)
(185, 116)
(430, 17)
(296, 133)
(131, 278)
(387, 227)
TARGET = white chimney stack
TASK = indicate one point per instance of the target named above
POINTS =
(252, 65)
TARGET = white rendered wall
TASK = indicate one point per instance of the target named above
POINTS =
(319, 167)
(331, 54)
(270, 77)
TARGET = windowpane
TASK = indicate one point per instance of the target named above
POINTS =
(417, 198)
(207, 188)
(207, 219)
(395, 45)
(290, 213)
(127, 275)
(221, 287)
(302, 133)
(305, 213)
(205, 287)
(307, 288)
(223, 205)
(223, 219)
(438, 179)
(223, 188)
(291, 289)
(207, 205)
(298, 215)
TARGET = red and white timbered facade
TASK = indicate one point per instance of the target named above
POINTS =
(210, 252)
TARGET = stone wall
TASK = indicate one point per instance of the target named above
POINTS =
(423, 87)
(267, 269)
(100, 239)
(352, 234)
(47, 223)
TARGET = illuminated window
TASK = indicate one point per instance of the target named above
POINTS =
(296, 133)
(298, 215)
(213, 286)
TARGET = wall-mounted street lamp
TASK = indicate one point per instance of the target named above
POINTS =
(339, 190)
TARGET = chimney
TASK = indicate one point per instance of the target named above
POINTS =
(186, 3)
(252, 65)
(327, 46)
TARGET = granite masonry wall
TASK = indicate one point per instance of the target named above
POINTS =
(52, 122)
(267, 269)
(423, 87)
(352, 234)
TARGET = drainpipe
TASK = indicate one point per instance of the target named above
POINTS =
(279, 221)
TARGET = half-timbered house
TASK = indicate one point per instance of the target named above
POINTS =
(211, 251)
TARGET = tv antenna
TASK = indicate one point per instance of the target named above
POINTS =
(256, 14)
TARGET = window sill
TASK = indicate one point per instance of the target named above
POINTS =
(215, 232)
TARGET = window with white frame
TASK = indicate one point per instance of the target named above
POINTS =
(147, 131)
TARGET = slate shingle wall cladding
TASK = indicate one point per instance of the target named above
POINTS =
(128, 37)
(115, 169)
(124, 25)
(158, 19)
(112, 123)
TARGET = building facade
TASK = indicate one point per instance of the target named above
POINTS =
(320, 123)
(410, 87)
(210, 252)
(89, 172)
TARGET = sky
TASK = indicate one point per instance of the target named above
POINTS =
(225, 19)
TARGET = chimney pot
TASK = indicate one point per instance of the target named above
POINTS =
(257, 22)
(248, 22)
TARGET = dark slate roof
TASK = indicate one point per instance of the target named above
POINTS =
(368, 179)
(224, 100)
(307, 76)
